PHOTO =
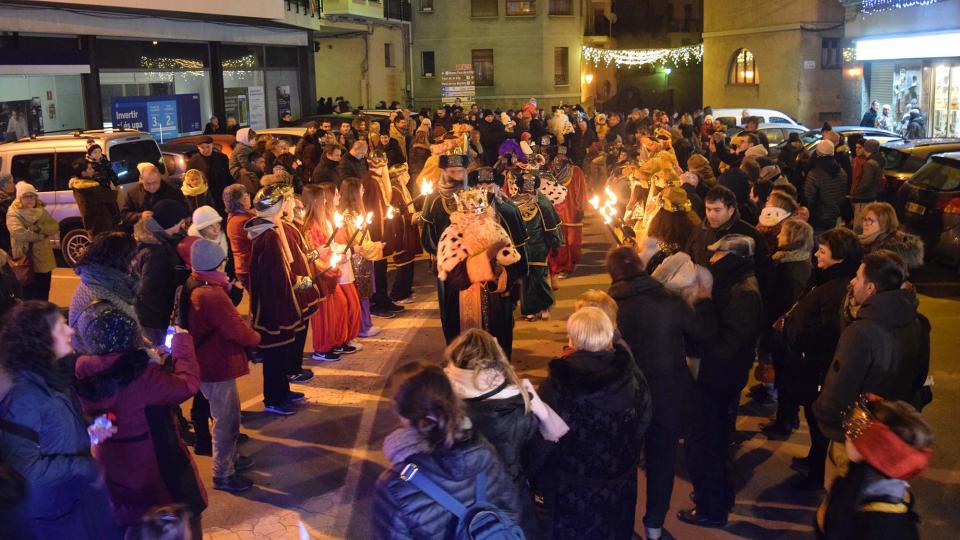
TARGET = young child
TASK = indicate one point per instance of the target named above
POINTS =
(888, 443)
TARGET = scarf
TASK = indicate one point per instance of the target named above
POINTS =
(468, 383)
(193, 191)
(112, 285)
(794, 255)
(213, 277)
(868, 239)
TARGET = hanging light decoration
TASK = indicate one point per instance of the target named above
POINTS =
(680, 56)
(871, 7)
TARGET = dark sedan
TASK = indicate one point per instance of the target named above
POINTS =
(929, 203)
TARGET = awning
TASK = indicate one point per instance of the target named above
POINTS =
(25, 62)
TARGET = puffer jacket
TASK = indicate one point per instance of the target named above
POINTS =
(44, 439)
(160, 271)
(824, 192)
(100, 288)
(146, 463)
(401, 511)
(31, 234)
(221, 334)
(885, 351)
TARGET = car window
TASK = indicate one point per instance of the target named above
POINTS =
(810, 137)
(36, 169)
(778, 120)
(126, 155)
(66, 165)
(913, 163)
(938, 174)
(775, 136)
(893, 158)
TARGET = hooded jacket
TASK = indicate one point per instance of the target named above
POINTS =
(100, 288)
(160, 271)
(138, 201)
(885, 351)
(216, 169)
(824, 192)
(146, 463)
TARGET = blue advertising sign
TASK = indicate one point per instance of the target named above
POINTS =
(164, 117)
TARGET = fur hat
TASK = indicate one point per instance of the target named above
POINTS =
(676, 272)
(772, 215)
(206, 255)
(25, 187)
(770, 172)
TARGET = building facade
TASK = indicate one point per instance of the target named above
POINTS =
(785, 56)
(905, 57)
(518, 49)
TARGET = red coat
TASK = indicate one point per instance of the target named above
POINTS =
(309, 298)
(571, 216)
(221, 334)
(239, 242)
(146, 463)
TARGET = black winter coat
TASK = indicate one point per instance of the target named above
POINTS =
(701, 240)
(350, 166)
(787, 283)
(401, 511)
(738, 182)
(590, 483)
(326, 172)
(726, 361)
(160, 271)
(885, 351)
(138, 201)
(216, 169)
(824, 192)
(658, 326)
(852, 512)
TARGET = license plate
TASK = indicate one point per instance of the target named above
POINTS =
(915, 208)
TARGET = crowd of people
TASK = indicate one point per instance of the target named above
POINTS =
(727, 259)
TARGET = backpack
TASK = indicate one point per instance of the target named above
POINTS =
(481, 520)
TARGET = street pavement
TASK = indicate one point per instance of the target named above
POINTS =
(315, 471)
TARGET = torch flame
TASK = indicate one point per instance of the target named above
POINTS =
(337, 219)
(426, 187)
(358, 221)
(390, 212)
(369, 219)
(595, 202)
(335, 259)
(611, 196)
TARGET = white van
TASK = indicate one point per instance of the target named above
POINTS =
(733, 117)
(47, 162)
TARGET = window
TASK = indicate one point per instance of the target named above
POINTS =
(37, 169)
(482, 66)
(426, 5)
(388, 55)
(483, 8)
(124, 158)
(561, 7)
(561, 72)
(743, 70)
(521, 7)
(67, 162)
(427, 64)
(831, 55)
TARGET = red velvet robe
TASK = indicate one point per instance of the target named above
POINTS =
(571, 214)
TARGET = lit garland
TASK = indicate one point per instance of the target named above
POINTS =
(871, 7)
(681, 56)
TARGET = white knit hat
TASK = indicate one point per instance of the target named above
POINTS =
(205, 216)
(825, 148)
(676, 272)
(23, 188)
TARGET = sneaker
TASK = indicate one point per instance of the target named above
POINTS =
(302, 377)
(345, 349)
(331, 356)
(282, 409)
(563, 275)
(382, 313)
(356, 345)
(529, 318)
(234, 483)
(393, 308)
(408, 300)
(372, 331)
(295, 397)
(653, 533)
(242, 463)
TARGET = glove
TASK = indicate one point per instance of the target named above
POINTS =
(305, 283)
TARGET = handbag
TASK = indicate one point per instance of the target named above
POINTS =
(23, 267)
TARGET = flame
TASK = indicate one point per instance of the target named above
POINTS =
(335, 259)
(611, 196)
(595, 202)
(358, 221)
(390, 212)
(426, 187)
(338, 219)
(606, 219)
(369, 219)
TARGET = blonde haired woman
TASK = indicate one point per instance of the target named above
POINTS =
(506, 410)
(195, 189)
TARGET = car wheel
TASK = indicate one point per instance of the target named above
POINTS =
(73, 244)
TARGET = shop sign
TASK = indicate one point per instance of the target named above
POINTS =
(458, 83)
(164, 117)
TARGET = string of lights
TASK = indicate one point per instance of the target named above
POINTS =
(871, 7)
(680, 56)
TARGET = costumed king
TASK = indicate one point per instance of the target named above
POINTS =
(571, 177)
(543, 237)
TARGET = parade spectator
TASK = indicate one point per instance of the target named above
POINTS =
(657, 324)
(326, 172)
(825, 188)
(195, 191)
(31, 227)
(812, 329)
(240, 157)
(881, 230)
(215, 167)
(146, 463)
(236, 201)
(105, 282)
(353, 164)
(213, 127)
(778, 208)
(589, 484)
(158, 267)
(866, 188)
(723, 219)
(43, 437)
(419, 152)
(9, 286)
(8, 194)
(435, 439)
(700, 166)
(207, 223)
(309, 149)
(149, 191)
(249, 176)
(870, 115)
(94, 192)
(222, 339)
(884, 120)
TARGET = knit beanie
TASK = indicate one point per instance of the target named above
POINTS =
(110, 331)
(825, 148)
(23, 188)
(169, 212)
(206, 255)
(205, 216)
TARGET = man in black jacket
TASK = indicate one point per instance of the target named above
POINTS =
(215, 167)
(825, 188)
(327, 171)
(658, 325)
(884, 351)
(723, 218)
(142, 197)
(354, 163)
(724, 370)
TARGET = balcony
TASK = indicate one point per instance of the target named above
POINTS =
(353, 9)
(306, 8)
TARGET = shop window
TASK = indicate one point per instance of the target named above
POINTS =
(561, 63)
(831, 54)
(388, 55)
(521, 7)
(483, 8)
(561, 7)
(36, 169)
(427, 64)
(426, 5)
(482, 66)
(743, 69)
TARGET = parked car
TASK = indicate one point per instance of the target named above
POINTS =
(221, 143)
(47, 162)
(776, 134)
(928, 204)
(732, 117)
(175, 158)
(290, 134)
(813, 136)
(903, 158)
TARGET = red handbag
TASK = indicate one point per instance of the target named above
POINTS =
(23, 267)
